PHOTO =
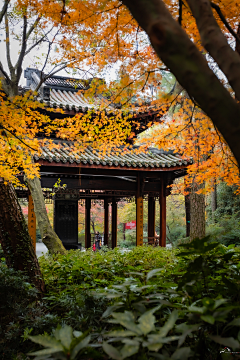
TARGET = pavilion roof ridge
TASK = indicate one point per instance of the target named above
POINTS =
(114, 157)
(64, 93)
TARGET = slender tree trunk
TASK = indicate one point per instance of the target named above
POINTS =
(237, 48)
(214, 200)
(188, 214)
(14, 237)
(197, 212)
(48, 235)
(93, 226)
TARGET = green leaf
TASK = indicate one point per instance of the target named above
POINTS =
(229, 342)
(153, 273)
(127, 319)
(112, 351)
(146, 322)
(47, 341)
(182, 353)
(129, 350)
(120, 333)
(154, 346)
(219, 302)
(44, 352)
(77, 333)
(110, 309)
(196, 309)
(208, 302)
(66, 336)
(235, 322)
(187, 329)
(208, 318)
(169, 324)
(80, 346)
(131, 341)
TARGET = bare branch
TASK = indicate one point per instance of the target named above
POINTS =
(37, 42)
(4, 9)
(18, 65)
(216, 43)
(33, 27)
(48, 53)
(43, 78)
(174, 47)
(5, 74)
(218, 10)
(3, 127)
(180, 11)
(9, 62)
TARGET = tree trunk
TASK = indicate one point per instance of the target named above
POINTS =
(237, 47)
(93, 227)
(188, 214)
(48, 235)
(197, 212)
(14, 237)
(214, 200)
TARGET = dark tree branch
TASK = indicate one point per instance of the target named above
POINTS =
(33, 27)
(237, 47)
(180, 4)
(9, 62)
(4, 128)
(218, 10)
(18, 65)
(5, 74)
(43, 78)
(4, 9)
(191, 69)
(37, 42)
(216, 43)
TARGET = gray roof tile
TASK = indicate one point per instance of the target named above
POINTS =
(65, 152)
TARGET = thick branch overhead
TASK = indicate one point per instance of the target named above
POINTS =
(174, 47)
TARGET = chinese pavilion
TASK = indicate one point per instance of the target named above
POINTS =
(110, 177)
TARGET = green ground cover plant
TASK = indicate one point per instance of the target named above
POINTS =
(149, 303)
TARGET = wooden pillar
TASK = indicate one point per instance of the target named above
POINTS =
(163, 222)
(87, 223)
(31, 220)
(139, 218)
(106, 221)
(114, 223)
(151, 219)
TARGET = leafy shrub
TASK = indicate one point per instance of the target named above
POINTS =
(226, 230)
(21, 312)
(187, 309)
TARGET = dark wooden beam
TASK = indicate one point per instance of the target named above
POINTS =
(106, 221)
(98, 183)
(87, 223)
(151, 219)
(163, 219)
(114, 223)
(50, 167)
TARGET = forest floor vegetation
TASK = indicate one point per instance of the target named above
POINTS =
(149, 303)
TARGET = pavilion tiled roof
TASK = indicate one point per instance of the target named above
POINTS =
(63, 92)
(154, 158)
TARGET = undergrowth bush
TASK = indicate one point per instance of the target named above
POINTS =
(149, 303)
